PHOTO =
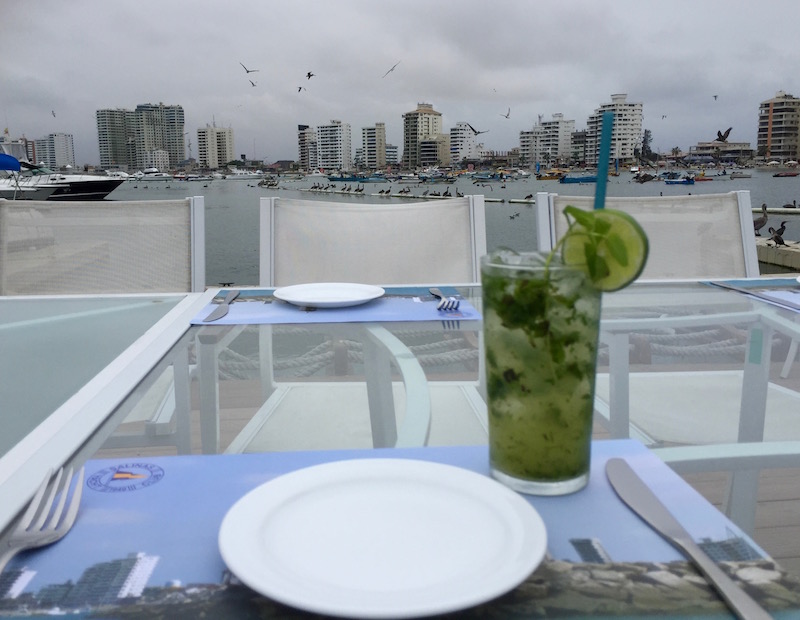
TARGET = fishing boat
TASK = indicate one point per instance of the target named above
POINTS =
(551, 175)
(584, 178)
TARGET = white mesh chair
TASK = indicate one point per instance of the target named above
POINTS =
(691, 237)
(109, 247)
(418, 243)
(699, 237)
(72, 247)
(316, 241)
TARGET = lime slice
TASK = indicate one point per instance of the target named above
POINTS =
(609, 245)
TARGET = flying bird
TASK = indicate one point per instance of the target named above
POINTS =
(248, 70)
(475, 130)
(252, 83)
(723, 137)
(309, 75)
(392, 69)
(507, 114)
(715, 97)
(299, 88)
(53, 112)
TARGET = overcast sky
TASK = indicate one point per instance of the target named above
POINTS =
(471, 60)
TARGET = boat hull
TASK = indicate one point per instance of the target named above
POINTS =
(585, 179)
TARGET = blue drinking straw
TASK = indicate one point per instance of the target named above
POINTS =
(603, 158)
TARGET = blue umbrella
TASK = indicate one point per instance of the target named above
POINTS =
(8, 163)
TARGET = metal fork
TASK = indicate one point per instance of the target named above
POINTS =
(49, 526)
(445, 302)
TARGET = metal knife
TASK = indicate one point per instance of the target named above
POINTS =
(222, 309)
(641, 499)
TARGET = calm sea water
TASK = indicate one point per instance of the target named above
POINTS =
(232, 208)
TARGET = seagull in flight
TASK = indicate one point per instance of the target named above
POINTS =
(723, 137)
(392, 69)
(249, 70)
(715, 97)
(507, 114)
(475, 130)
(309, 75)
(252, 83)
(53, 112)
(299, 88)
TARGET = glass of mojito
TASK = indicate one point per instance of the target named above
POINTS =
(541, 325)
(541, 322)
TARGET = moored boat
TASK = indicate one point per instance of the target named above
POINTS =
(786, 174)
(740, 175)
(683, 181)
(584, 178)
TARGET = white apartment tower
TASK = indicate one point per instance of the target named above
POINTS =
(334, 148)
(214, 146)
(463, 144)
(307, 148)
(159, 126)
(55, 151)
(129, 139)
(116, 139)
(627, 133)
(547, 142)
(373, 145)
(422, 124)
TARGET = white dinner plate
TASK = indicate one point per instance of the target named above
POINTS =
(329, 294)
(382, 538)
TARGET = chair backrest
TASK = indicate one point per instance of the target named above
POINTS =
(691, 237)
(73, 247)
(413, 243)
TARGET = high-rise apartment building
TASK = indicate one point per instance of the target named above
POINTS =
(778, 126)
(373, 144)
(334, 146)
(214, 146)
(14, 581)
(421, 124)
(307, 148)
(626, 136)
(159, 126)
(129, 139)
(392, 155)
(463, 144)
(108, 582)
(547, 142)
(55, 151)
(116, 139)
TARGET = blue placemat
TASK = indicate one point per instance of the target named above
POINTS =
(255, 307)
(783, 292)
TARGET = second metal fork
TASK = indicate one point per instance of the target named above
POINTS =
(445, 302)
(48, 527)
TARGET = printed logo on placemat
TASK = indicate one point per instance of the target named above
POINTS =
(125, 477)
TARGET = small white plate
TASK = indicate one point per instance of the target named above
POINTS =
(329, 294)
(382, 538)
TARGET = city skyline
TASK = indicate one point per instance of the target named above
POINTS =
(697, 67)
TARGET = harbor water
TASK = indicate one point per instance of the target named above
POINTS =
(232, 208)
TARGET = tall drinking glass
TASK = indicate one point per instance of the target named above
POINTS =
(541, 326)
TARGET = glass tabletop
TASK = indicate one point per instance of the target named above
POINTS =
(53, 346)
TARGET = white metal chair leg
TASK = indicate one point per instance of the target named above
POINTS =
(787, 365)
